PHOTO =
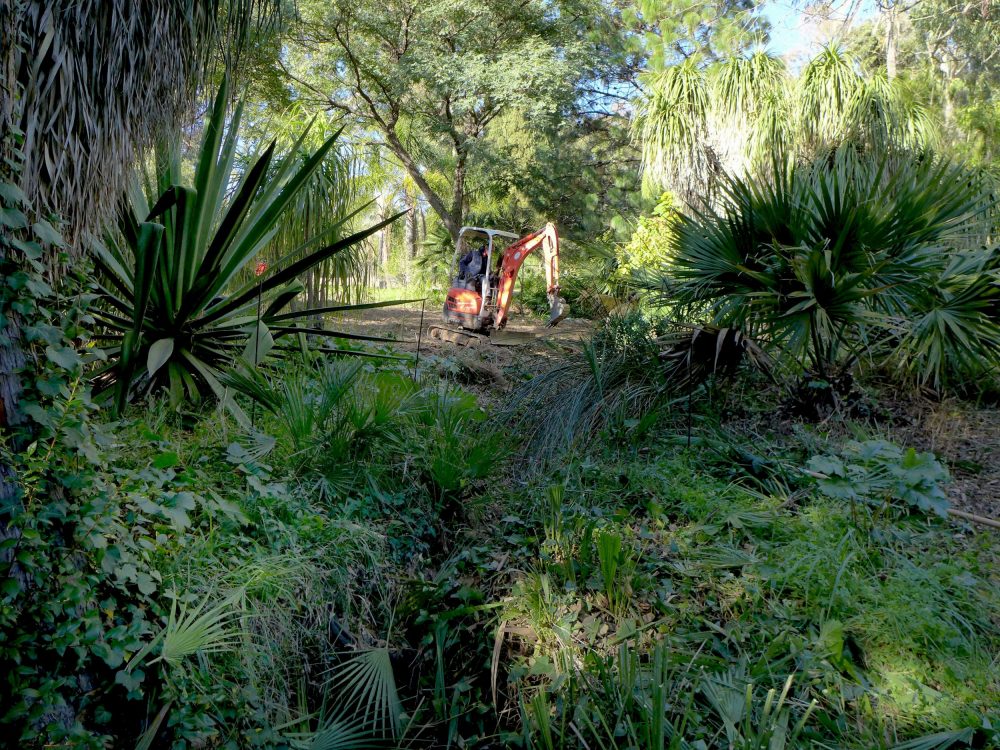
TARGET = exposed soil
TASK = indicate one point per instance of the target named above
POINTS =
(965, 437)
(489, 370)
(402, 324)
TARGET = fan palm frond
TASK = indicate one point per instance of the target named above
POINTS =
(821, 256)
(366, 682)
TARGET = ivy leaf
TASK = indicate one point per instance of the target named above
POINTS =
(12, 218)
(177, 510)
(166, 460)
(126, 572)
(145, 583)
(829, 465)
(839, 488)
(31, 250)
(11, 193)
(50, 334)
(10, 587)
(47, 234)
(131, 680)
(64, 357)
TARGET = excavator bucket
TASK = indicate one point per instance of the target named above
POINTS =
(558, 310)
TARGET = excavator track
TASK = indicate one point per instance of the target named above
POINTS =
(471, 338)
(459, 338)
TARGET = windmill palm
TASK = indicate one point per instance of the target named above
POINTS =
(330, 194)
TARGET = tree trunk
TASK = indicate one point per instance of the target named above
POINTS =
(947, 68)
(411, 235)
(891, 40)
(458, 187)
(412, 169)
(383, 203)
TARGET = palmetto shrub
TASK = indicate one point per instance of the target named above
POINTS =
(846, 256)
(178, 311)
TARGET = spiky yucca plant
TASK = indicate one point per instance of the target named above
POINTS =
(176, 313)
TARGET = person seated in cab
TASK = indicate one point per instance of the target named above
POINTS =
(473, 263)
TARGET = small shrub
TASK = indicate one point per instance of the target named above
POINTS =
(877, 472)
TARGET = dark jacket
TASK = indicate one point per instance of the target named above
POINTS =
(472, 264)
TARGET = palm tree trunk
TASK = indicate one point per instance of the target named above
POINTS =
(383, 203)
(458, 190)
(12, 358)
(411, 233)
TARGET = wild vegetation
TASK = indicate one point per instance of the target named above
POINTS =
(746, 498)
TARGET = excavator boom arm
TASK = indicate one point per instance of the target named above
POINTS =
(513, 258)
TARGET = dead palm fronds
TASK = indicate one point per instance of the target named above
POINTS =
(626, 382)
(692, 354)
(95, 82)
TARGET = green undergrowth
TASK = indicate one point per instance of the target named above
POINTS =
(888, 624)
(372, 564)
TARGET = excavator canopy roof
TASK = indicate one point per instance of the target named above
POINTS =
(490, 232)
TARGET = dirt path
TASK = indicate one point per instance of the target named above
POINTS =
(967, 439)
(489, 370)
(402, 325)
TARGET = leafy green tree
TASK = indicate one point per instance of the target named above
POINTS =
(650, 243)
(676, 30)
(954, 51)
(429, 79)
(946, 54)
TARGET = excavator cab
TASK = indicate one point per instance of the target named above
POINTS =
(487, 262)
(473, 290)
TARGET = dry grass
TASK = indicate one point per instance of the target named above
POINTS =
(968, 439)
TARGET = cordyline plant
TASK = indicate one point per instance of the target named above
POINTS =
(175, 315)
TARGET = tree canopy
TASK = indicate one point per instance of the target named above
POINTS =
(427, 80)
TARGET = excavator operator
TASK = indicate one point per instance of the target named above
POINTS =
(473, 263)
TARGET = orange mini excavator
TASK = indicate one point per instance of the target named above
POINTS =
(482, 288)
